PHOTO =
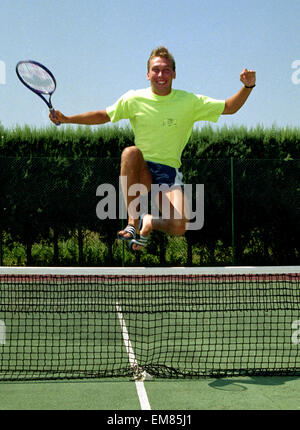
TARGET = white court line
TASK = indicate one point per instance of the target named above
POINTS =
(140, 387)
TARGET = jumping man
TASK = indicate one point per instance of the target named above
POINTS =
(162, 120)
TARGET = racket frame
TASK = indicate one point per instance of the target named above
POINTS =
(39, 92)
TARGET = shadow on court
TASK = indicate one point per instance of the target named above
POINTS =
(240, 384)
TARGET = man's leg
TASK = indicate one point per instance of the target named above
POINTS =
(134, 170)
(174, 215)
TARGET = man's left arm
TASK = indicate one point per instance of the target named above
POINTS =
(234, 103)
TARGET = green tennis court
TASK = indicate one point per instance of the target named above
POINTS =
(236, 393)
(92, 339)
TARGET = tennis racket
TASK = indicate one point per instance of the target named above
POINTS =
(38, 79)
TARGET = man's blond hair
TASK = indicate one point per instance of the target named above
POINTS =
(161, 51)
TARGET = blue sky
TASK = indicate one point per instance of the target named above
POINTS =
(98, 50)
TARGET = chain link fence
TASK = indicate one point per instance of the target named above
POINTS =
(49, 214)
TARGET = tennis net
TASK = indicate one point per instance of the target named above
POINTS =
(67, 323)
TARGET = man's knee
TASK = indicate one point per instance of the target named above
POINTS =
(133, 154)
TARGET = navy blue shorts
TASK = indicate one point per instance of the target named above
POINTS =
(162, 174)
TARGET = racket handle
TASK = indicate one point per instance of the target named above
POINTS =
(53, 115)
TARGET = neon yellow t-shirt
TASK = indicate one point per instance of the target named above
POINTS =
(162, 125)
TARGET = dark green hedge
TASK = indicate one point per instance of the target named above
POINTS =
(49, 179)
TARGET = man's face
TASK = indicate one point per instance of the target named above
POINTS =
(161, 75)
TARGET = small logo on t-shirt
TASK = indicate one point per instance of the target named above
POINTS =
(169, 122)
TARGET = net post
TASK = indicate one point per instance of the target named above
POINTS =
(232, 211)
(1, 247)
(123, 247)
(122, 216)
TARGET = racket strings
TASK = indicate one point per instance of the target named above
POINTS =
(36, 77)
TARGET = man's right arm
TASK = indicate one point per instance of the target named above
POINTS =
(88, 118)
